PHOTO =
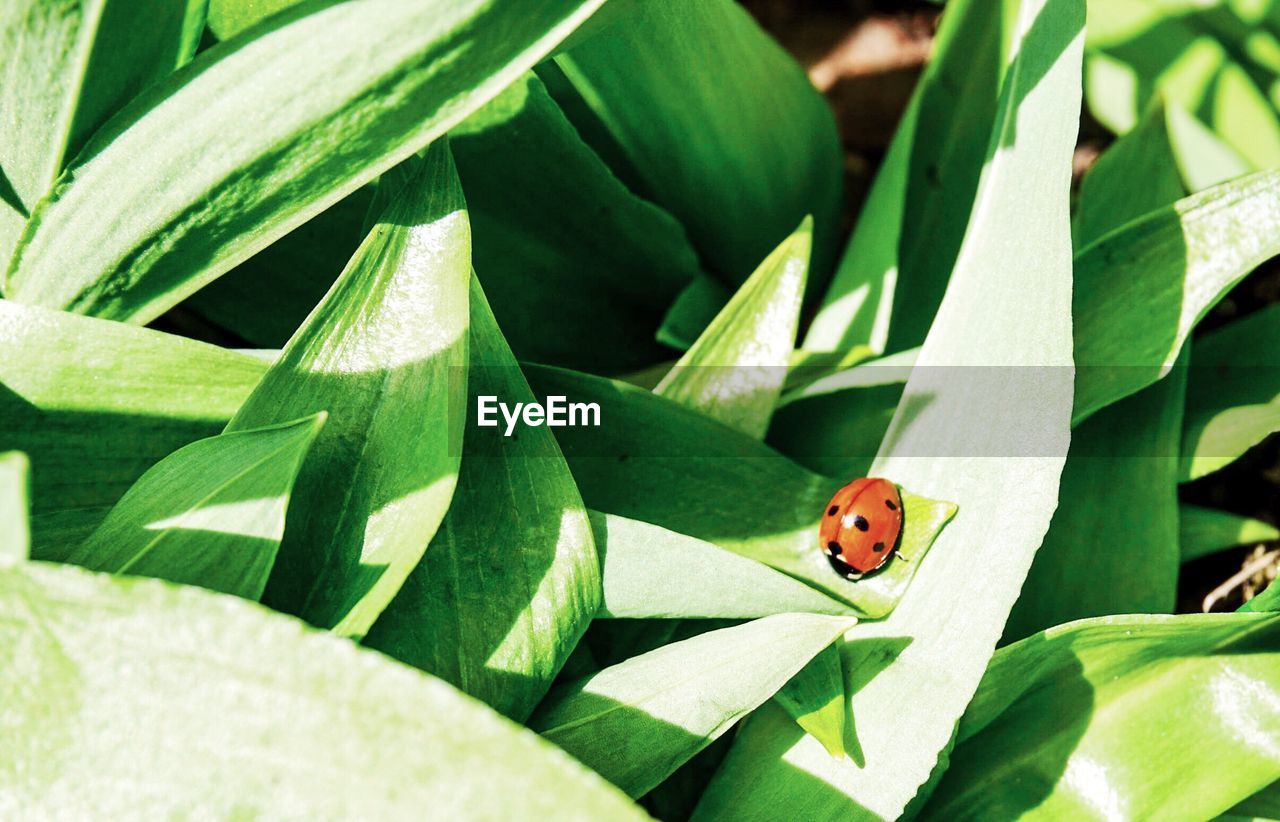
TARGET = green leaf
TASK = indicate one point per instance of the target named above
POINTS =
(895, 269)
(1202, 157)
(383, 354)
(55, 534)
(1265, 804)
(228, 18)
(639, 720)
(919, 666)
(815, 699)
(1121, 717)
(1233, 393)
(95, 404)
(217, 707)
(1140, 290)
(1204, 531)
(660, 463)
(692, 311)
(511, 580)
(263, 133)
(735, 370)
(1132, 178)
(738, 163)
(1118, 495)
(560, 241)
(210, 514)
(650, 572)
(66, 68)
(15, 534)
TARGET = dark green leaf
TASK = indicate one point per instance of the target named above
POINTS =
(1203, 531)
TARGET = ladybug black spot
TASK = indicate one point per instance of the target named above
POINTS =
(833, 548)
(831, 512)
(878, 547)
(860, 522)
(889, 504)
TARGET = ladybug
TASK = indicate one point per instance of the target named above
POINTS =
(861, 526)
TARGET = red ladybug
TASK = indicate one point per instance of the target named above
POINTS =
(861, 526)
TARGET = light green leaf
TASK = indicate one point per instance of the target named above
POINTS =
(815, 699)
(1135, 176)
(384, 355)
(560, 242)
(1174, 264)
(214, 707)
(210, 514)
(15, 534)
(1233, 393)
(511, 580)
(66, 68)
(650, 572)
(94, 404)
(228, 18)
(1121, 717)
(639, 720)
(657, 462)
(1119, 498)
(1202, 157)
(919, 666)
(262, 134)
(735, 370)
(894, 272)
(738, 163)
(1203, 531)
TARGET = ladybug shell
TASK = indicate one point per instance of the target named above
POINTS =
(861, 525)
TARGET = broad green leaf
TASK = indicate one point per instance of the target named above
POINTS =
(560, 242)
(815, 699)
(1233, 393)
(1125, 717)
(650, 572)
(1202, 157)
(895, 269)
(738, 163)
(262, 133)
(297, 270)
(1112, 547)
(15, 534)
(383, 354)
(735, 370)
(228, 18)
(209, 706)
(94, 404)
(919, 667)
(692, 311)
(639, 720)
(1136, 175)
(1203, 531)
(660, 463)
(1193, 54)
(1265, 804)
(1140, 290)
(66, 67)
(511, 579)
(55, 534)
(210, 514)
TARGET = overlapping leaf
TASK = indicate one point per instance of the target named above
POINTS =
(511, 580)
(213, 706)
(15, 534)
(1202, 531)
(210, 514)
(383, 354)
(263, 133)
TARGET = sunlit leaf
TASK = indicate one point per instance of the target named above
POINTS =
(15, 535)
(1203, 531)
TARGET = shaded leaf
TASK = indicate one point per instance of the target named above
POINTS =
(511, 580)
(214, 706)
(1128, 716)
(328, 96)
(1203, 531)
(639, 720)
(650, 572)
(383, 355)
(735, 370)
(15, 534)
(692, 311)
(738, 163)
(921, 664)
(210, 514)
(815, 699)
